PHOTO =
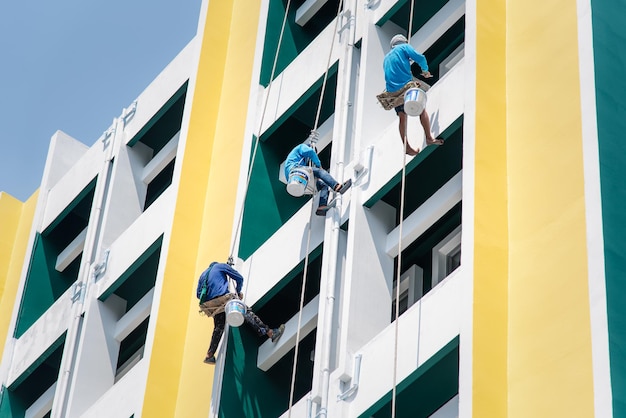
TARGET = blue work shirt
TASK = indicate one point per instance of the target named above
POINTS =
(299, 156)
(216, 278)
(397, 66)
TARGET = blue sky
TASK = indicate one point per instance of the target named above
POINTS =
(73, 65)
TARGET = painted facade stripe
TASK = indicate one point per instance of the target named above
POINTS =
(489, 346)
(16, 219)
(202, 225)
(532, 338)
(549, 358)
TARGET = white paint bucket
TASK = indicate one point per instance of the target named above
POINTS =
(299, 180)
(235, 311)
(414, 102)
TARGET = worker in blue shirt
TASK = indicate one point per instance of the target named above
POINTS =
(214, 293)
(397, 68)
(300, 156)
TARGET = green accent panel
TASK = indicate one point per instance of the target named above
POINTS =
(33, 382)
(164, 124)
(133, 342)
(74, 216)
(268, 205)
(422, 13)
(252, 393)
(139, 278)
(609, 32)
(295, 38)
(424, 391)
(445, 162)
(304, 109)
(44, 285)
(159, 184)
(282, 301)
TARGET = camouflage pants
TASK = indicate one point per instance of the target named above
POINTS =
(219, 320)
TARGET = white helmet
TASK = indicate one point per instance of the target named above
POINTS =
(397, 40)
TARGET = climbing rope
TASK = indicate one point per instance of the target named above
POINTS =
(308, 241)
(399, 268)
(304, 276)
(258, 135)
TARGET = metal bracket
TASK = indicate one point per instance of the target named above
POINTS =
(101, 268)
(128, 114)
(77, 292)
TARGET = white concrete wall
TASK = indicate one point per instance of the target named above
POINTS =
(87, 381)
(425, 328)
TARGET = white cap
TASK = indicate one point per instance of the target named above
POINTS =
(397, 40)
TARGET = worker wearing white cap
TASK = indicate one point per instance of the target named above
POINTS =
(397, 68)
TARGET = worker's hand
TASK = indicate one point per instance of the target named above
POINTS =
(426, 74)
(240, 295)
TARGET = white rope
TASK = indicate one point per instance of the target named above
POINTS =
(304, 276)
(330, 54)
(308, 241)
(258, 135)
(398, 270)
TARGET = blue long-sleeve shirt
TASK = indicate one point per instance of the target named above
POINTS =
(216, 278)
(299, 156)
(397, 66)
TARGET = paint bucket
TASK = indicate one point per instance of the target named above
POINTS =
(298, 183)
(235, 311)
(414, 101)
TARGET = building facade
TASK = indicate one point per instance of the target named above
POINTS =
(480, 278)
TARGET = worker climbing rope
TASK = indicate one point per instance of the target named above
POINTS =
(304, 155)
(213, 293)
(399, 79)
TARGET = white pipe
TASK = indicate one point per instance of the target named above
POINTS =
(60, 406)
(355, 379)
(344, 107)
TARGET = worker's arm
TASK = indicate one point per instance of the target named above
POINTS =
(418, 58)
(310, 153)
(235, 275)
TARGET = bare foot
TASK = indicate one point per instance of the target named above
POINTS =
(433, 141)
(410, 151)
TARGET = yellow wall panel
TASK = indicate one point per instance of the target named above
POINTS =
(550, 371)
(489, 369)
(16, 220)
(179, 383)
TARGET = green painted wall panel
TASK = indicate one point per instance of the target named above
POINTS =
(609, 32)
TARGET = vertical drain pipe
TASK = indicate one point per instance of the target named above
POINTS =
(74, 331)
(345, 104)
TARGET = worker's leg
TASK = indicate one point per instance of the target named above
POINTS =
(328, 180)
(425, 121)
(325, 177)
(261, 329)
(323, 189)
(402, 123)
(220, 321)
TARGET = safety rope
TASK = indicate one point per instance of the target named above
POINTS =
(399, 268)
(258, 135)
(304, 276)
(330, 54)
(308, 241)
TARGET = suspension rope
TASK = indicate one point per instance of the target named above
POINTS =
(308, 241)
(258, 135)
(399, 268)
(330, 54)
(304, 276)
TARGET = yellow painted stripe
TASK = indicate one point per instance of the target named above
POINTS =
(179, 384)
(540, 339)
(16, 220)
(550, 369)
(489, 375)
